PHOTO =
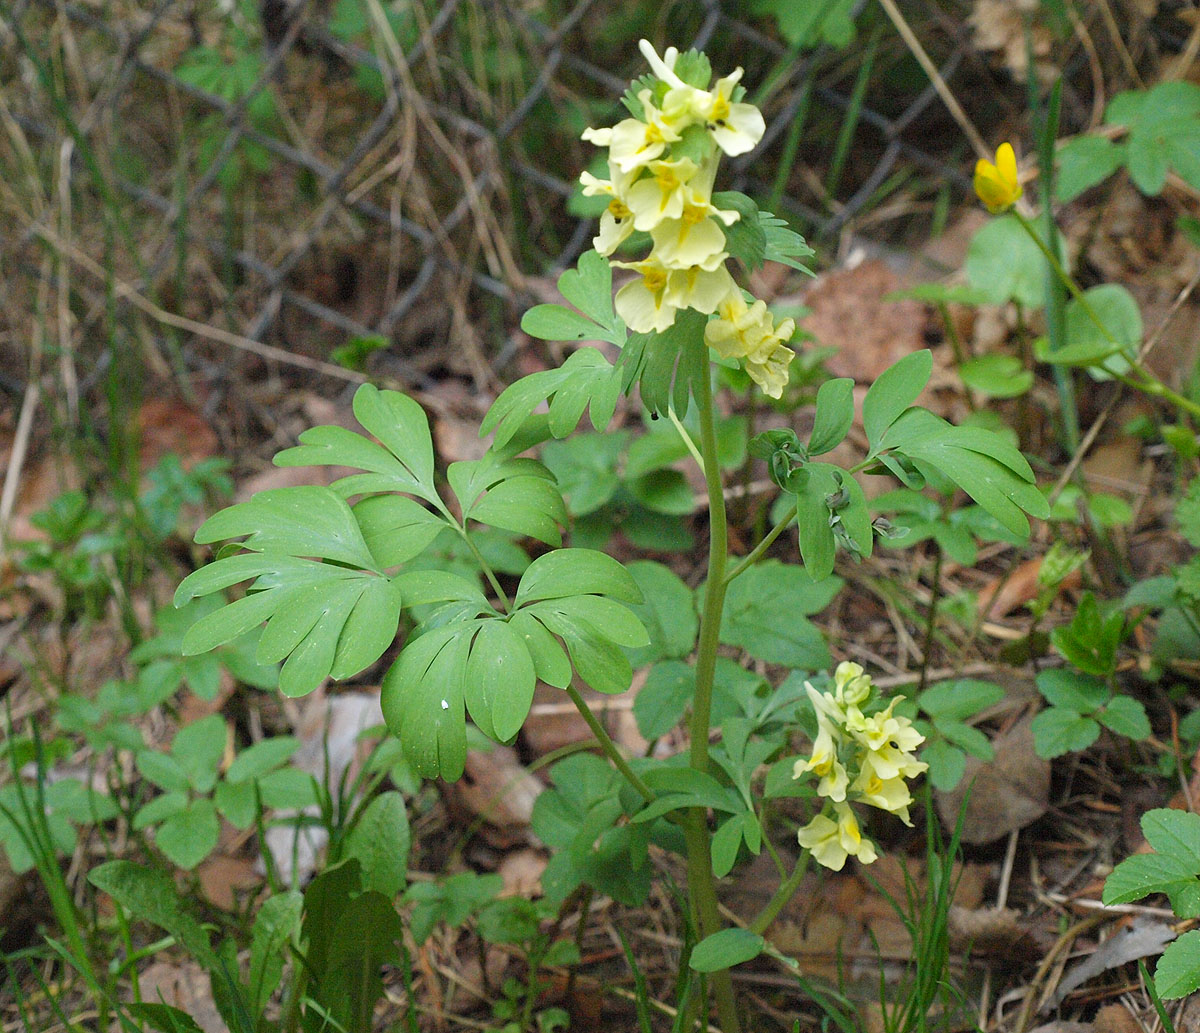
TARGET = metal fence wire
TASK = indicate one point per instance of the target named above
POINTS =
(396, 173)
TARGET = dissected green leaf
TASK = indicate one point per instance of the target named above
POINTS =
(568, 572)
(422, 701)
(765, 614)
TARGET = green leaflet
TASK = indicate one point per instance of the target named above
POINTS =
(422, 701)
(589, 288)
(402, 462)
(327, 620)
(481, 666)
(566, 572)
(585, 380)
(517, 495)
(985, 466)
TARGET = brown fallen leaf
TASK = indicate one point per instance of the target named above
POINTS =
(870, 334)
(1116, 1018)
(186, 987)
(170, 425)
(496, 793)
(1009, 592)
(521, 871)
(1006, 793)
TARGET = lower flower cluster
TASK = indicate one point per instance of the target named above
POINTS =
(858, 758)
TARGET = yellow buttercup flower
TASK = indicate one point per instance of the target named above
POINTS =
(997, 185)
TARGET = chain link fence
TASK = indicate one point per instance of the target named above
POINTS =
(277, 181)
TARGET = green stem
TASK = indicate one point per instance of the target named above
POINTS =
(701, 884)
(687, 438)
(786, 891)
(756, 553)
(1149, 384)
(608, 746)
(487, 570)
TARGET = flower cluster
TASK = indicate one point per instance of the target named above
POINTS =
(860, 758)
(662, 165)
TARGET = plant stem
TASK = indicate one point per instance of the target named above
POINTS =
(701, 884)
(931, 619)
(756, 553)
(608, 746)
(487, 570)
(1149, 383)
(786, 891)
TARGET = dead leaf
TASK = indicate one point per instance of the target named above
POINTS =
(990, 932)
(1009, 592)
(999, 26)
(169, 425)
(1006, 794)
(222, 877)
(499, 791)
(1065, 1027)
(870, 334)
(186, 987)
(1144, 937)
(1116, 1018)
(522, 873)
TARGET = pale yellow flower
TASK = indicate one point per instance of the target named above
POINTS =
(888, 794)
(660, 195)
(831, 842)
(735, 127)
(644, 303)
(693, 238)
(851, 685)
(885, 730)
(635, 142)
(701, 286)
(771, 373)
(616, 222)
(825, 763)
(748, 332)
(997, 185)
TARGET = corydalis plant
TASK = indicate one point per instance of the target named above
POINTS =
(338, 573)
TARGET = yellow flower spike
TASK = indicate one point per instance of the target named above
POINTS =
(997, 185)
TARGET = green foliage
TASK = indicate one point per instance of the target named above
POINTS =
(588, 287)
(811, 24)
(955, 530)
(1173, 869)
(577, 820)
(1090, 641)
(194, 792)
(948, 707)
(95, 543)
(725, 949)
(996, 375)
(1003, 264)
(1079, 705)
(233, 72)
(753, 605)
(615, 481)
(1103, 333)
